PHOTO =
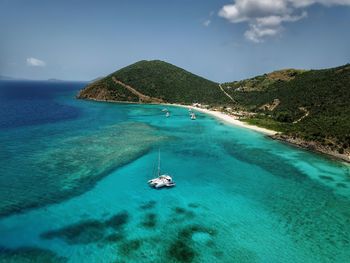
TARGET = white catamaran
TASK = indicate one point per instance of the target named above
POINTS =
(163, 180)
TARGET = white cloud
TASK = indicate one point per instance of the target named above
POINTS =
(305, 3)
(269, 26)
(35, 62)
(207, 22)
(265, 18)
(256, 33)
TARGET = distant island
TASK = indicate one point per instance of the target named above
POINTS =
(8, 78)
(308, 108)
(55, 80)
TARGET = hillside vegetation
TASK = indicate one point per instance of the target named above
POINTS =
(156, 79)
(107, 89)
(262, 82)
(314, 105)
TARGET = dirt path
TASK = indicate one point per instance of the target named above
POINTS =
(306, 113)
(141, 96)
(228, 95)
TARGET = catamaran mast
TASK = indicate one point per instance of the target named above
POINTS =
(159, 162)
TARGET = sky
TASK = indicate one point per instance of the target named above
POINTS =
(222, 40)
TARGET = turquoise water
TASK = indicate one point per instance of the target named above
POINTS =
(73, 187)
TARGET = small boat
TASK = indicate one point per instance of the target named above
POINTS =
(163, 180)
(165, 109)
(167, 114)
(193, 116)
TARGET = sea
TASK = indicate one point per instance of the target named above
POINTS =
(73, 186)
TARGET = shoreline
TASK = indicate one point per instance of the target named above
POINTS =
(274, 135)
(219, 115)
(228, 119)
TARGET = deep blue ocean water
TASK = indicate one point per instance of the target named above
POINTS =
(73, 186)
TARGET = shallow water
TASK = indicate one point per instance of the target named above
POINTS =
(73, 186)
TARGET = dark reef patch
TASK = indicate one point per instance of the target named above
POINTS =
(84, 232)
(190, 152)
(182, 213)
(118, 221)
(148, 205)
(181, 251)
(90, 231)
(341, 185)
(149, 221)
(326, 177)
(265, 159)
(29, 254)
(130, 246)
(179, 210)
(114, 238)
(193, 205)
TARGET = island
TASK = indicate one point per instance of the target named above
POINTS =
(307, 108)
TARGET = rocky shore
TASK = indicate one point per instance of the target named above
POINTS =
(312, 146)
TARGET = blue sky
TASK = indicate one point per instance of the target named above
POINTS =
(222, 40)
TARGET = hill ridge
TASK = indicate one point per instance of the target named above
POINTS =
(156, 79)
(142, 97)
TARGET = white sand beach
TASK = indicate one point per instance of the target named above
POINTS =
(229, 119)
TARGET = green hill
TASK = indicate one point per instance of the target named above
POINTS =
(155, 81)
(262, 82)
(314, 105)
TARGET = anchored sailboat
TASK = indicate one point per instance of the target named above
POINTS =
(163, 180)
(193, 116)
